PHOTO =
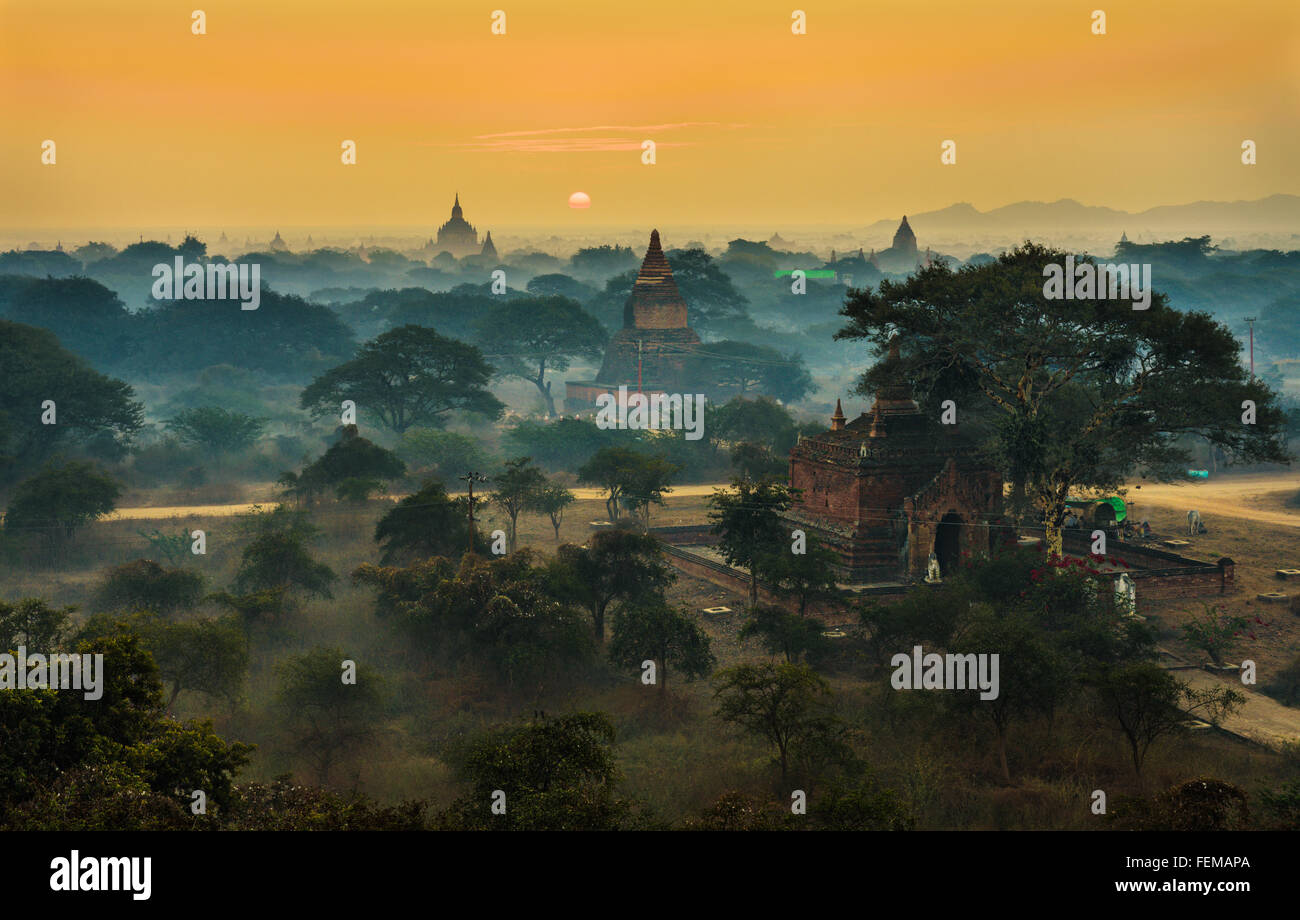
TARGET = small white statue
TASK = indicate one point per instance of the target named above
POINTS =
(932, 574)
(862, 449)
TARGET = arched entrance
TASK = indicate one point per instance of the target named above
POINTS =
(947, 543)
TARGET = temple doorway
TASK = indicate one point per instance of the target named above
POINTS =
(947, 543)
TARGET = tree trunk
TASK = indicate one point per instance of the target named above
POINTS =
(753, 586)
(1002, 753)
(176, 691)
(544, 387)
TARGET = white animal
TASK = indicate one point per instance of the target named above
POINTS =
(1193, 522)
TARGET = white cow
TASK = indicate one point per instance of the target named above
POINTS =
(1194, 522)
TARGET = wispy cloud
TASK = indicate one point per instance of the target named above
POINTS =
(547, 140)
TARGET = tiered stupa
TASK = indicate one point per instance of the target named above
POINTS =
(653, 350)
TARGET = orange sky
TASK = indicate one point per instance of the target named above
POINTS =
(242, 126)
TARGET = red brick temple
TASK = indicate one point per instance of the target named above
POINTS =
(653, 349)
(888, 488)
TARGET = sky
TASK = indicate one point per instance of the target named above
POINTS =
(754, 125)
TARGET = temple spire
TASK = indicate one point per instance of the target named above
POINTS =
(837, 420)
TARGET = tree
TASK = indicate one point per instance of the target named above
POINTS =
(88, 318)
(807, 577)
(526, 334)
(68, 762)
(615, 565)
(655, 630)
(35, 368)
(754, 461)
(747, 521)
(762, 421)
(786, 633)
(285, 338)
(786, 705)
(559, 444)
(278, 557)
(1030, 676)
(645, 482)
(33, 623)
(327, 718)
(606, 468)
(1075, 393)
(517, 487)
(1148, 703)
(208, 656)
(215, 429)
(496, 612)
(425, 524)
(353, 466)
(447, 452)
(740, 368)
(1213, 632)
(556, 774)
(408, 376)
(559, 285)
(59, 499)
(551, 501)
(635, 479)
(145, 585)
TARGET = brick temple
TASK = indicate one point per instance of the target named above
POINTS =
(888, 488)
(652, 352)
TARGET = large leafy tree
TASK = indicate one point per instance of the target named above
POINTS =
(556, 774)
(528, 336)
(654, 630)
(408, 376)
(747, 521)
(613, 567)
(499, 612)
(215, 429)
(279, 557)
(1076, 393)
(285, 337)
(352, 465)
(55, 502)
(88, 318)
(786, 705)
(741, 368)
(145, 585)
(632, 479)
(327, 719)
(34, 368)
(426, 524)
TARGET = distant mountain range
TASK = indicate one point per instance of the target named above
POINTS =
(1276, 216)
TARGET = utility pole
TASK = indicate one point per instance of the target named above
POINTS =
(1251, 321)
(470, 478)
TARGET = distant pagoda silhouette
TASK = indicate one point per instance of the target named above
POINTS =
(457, 236)
(653, 350)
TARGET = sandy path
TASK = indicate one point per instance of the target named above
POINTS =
(163, 512)
(1238, 497)
(1260, 719)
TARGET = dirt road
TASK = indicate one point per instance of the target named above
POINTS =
(164, 512)
(1254, 496)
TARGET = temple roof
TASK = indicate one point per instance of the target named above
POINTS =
(655, 301)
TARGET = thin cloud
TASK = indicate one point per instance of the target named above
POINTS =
(545, 140)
